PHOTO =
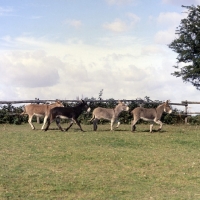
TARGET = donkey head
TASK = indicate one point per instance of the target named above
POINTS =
(59, 103)
(122, 106)
(167, 107)
(85, 106)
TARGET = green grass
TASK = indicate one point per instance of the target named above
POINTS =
(102, 165)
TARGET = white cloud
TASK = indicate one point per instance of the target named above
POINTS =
(168, 22)
(133, 18)
(121, 26)
(36, 17)
(152, 49)
(72, 70)
(165, 37)
(73, 22)
(29, 70)
(5, 10)
(116, 26)
(171, 19)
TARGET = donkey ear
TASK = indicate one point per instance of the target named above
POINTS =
(168, 101)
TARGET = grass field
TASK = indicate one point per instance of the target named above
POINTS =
(102, 165)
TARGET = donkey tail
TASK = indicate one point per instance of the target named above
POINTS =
(93, 117)
(24, 112)
(132, 112)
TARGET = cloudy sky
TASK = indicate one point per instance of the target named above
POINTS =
(64, 49)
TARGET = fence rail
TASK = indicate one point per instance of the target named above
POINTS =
(89, 100)
(137, 101)
(190, 102)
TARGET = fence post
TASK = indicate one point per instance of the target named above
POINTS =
(186, 110)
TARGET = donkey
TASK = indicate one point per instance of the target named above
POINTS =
(150, 114)
(67, 113)
(39, 110)
(109, 114)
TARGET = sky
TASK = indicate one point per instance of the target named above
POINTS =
(69, 49)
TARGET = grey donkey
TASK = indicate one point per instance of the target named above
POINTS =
(150, 114)
(109, 114)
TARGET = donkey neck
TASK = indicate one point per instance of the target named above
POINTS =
(117, 110)
(79, 108)
(53, 105)
(160, 110)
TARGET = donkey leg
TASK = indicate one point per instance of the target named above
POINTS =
(151, 127)
(58, 123)
(160, 123)
(71, 123)
(79, 124)
(44, 122)
(133, 127)
(48, 124)
(30, 122)
(95, 122)
(118, 123)
(111, 124)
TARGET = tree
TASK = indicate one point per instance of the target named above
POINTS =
(187, 45)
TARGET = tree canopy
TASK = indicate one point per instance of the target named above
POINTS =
(187, 45)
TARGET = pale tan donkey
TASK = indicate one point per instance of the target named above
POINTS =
(150, 114)
(109, 114)
(39, 110)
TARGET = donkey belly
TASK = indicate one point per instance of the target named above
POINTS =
(39, 115)
(147, 119)
(107, 116)
(62, 117)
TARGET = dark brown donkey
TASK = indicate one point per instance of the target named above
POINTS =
(150, 114)
(73, 113)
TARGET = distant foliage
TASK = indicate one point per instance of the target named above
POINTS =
(10, 114)
(195, 120)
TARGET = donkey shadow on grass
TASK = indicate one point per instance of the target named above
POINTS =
(153, 131)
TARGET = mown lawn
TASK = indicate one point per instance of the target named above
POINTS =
(102, 165)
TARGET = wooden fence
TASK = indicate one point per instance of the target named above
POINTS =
(140, 102)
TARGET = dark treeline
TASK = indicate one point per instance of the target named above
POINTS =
(11, 114)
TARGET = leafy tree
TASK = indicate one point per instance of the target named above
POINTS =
(187, 45)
